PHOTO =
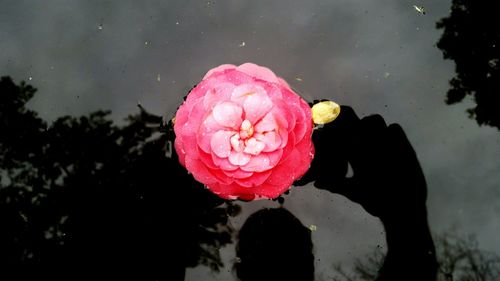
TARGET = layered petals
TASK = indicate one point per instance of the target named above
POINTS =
(244, 133)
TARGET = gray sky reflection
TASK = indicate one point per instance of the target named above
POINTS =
(377, 57)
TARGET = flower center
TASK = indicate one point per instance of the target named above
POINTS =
(246, 130)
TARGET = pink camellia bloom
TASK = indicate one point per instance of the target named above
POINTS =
(244, 133)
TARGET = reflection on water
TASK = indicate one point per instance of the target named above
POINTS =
(86, 195)
(459, 258)
(85, 198)
(471, 38)
(274, 245)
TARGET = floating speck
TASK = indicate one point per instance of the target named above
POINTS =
(23, 216)
(146, 43)
(158, 78)
(312, 227)
(242, 44)
(176, 23)
(30, 78)
(419, 9)
(99, 26)
(298, 79)
(387, 74)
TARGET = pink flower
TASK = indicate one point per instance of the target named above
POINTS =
(244, 133)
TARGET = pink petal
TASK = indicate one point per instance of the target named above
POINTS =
(232, 191)
(263, 161)
(308, 118)
(302, 113)
(190, 146)
(233, 76)
(256, 106)
(199, 171)
(254, 146)
(220, 144)
(274, 157)
(223, 163)
(271, 140)
(236, 143)
(273, 91)
(206, 158)
(243, 91)
(239, 158)
(219, 68)
(289, 144)
(305, 148)
(194, 120)
(284, 173)
(257, 163)
(221, 177)
(284, 84)
(220, 93)
(283, 115)
(207, 128)
(298, 162)
(237, 174)
(228, 114)
(199, 91)
(181, 154)
(255, 180)
(266, 124)
(181, 117)
(258, 72)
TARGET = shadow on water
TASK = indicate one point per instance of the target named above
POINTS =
(471, 38)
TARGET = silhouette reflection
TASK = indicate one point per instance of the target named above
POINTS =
(387, 182)
(84, 198)
(274, 245)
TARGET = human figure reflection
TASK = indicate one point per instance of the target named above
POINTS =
(274, 245)
(85, 199)
(387, 182)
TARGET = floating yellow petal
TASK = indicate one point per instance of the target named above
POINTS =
(325, 112)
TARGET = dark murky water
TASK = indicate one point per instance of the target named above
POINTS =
(88, 192)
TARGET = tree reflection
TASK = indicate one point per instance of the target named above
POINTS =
(459, 259)
(472, 39)
(83, 198)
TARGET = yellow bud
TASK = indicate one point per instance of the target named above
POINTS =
(325, 112)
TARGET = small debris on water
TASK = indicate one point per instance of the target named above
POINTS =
(419, 9)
